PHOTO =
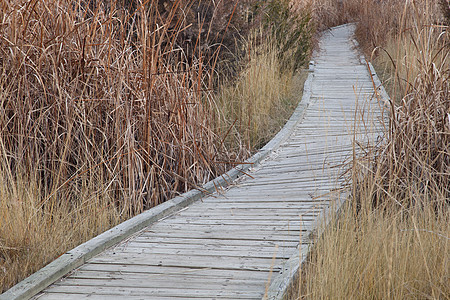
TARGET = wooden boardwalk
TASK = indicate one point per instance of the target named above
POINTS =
(230, 245)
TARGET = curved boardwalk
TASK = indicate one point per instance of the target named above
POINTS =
(223, 246)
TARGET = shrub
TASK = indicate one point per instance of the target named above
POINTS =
(292, 29)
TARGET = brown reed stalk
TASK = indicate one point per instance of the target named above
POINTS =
(101, 117)
(108, 108)
(395, 245)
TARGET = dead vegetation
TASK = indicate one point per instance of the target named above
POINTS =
(108, 108)
(391, 241)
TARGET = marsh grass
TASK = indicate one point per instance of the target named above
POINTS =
(32, 234)
(110, 108)
(101, 117)
(414, 158)
(380, 256)
(262, 97)
(391, 240)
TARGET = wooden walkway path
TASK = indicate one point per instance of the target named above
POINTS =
(223, 246)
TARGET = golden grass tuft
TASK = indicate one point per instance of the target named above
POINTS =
(377, 255)
(259, 101)
(33, 233)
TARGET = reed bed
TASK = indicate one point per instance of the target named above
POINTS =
(108, 108)
(101, 116)
(264, 94)
(391, 240)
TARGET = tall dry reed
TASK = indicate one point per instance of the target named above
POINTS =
(258, 103)
(414, 159)
(108, 108)
(102, 116)
(391, 240)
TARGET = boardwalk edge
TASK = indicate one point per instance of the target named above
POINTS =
(289, 273)
(76, 257)
(284, 280)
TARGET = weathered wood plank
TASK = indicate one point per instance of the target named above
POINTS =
(68, 296)
(241, 203)
(206, 275)
(225, 236)
(149, 270)
(275, 218)
(250, 215)
(149, 292)
(227, 228)
(282, 250)
(242, 243)
(214, 262)
(189, 249)
(258, 211)
(195, 283)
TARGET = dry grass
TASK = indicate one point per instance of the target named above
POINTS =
(414, 159)
(262, 97)
(110, 109)
(326, 13)
(392, 240)
(33, 233)
(394, 43)
(101, 117)
(381, 256)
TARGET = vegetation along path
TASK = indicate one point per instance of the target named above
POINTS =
(245, 242)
